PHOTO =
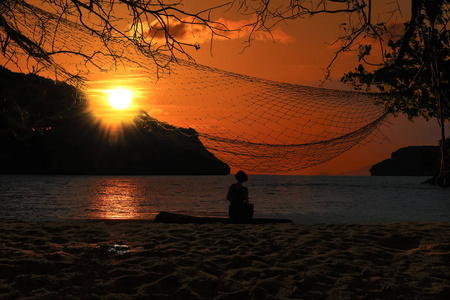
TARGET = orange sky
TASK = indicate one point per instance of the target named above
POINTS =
(300, 53)
(300, 61)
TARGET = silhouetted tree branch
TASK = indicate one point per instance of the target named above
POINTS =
(132, 22)
(149, 27)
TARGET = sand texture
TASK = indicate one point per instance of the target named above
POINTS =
(142, 260)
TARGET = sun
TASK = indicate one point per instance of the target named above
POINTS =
(120, 98)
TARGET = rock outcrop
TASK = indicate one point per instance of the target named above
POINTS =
(410, 161)
(45, 128)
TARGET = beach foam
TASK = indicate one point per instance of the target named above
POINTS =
(137, 259)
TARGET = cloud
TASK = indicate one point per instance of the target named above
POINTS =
(156, 111)
(191, 31)
(240, 29)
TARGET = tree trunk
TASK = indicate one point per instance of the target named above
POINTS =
(442, 179)
(433, 8)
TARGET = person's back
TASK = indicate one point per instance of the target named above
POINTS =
(237, 194)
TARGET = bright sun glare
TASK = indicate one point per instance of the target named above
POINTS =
(120, 98)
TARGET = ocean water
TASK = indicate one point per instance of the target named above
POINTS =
(304, 199)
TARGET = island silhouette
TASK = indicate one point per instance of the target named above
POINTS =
(45, 128)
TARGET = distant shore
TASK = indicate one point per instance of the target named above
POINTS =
(129, 260)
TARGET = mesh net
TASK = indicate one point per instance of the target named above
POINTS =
(247, 122)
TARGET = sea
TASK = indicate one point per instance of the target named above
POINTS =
(303, 199)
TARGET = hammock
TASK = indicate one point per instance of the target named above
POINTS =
(247, 122)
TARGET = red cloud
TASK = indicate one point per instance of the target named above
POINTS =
(190, 30)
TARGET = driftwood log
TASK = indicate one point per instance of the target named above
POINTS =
(166, 217)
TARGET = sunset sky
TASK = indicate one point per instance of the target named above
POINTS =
(297, 52)
(299, 56)
(300, 52)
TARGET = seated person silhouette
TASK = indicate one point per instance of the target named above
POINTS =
(239, 210)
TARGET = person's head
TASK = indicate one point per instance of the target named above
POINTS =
(241, 176)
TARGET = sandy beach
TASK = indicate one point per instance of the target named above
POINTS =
(144, 260)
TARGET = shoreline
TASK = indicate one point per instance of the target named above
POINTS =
(117, 259)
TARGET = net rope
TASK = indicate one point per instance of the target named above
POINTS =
(248, 122)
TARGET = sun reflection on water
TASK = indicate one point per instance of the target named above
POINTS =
(119, 199)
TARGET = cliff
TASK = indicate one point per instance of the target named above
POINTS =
(45, 128)
(410, 161)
